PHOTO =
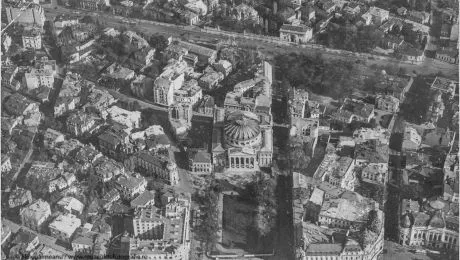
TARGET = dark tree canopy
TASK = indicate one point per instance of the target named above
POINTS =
(347, 36)
(313, 73)
(159, 42)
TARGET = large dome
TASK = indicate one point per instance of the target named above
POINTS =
(242, 129)
(437, 221)
(437, 204)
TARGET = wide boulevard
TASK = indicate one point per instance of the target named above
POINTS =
(270, 49)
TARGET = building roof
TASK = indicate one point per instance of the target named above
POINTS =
(343, 164)
(372, 151)
(130, 182)
(17, 104)
(324, 249)
(295, 28)
(225, 64)
(197, 49)
(6, 231)
(201, 156)
(73, 84)
(111, 138)
(210, 77)
(65, 17)
(350, 206)
(378, 11)
(317, 196)
(43, 171)
(444, 84)
(419, 15)
(416, 158)
(19, 197)
(207, 101)
(87, 154)
(100, 99)
(241, 126)
(143, 198)
(52, 134)
(410, 205)
(111, 195)
(65, 100)
(449, 52)
(156, 159)
(411, 51)
(123, 116)
(37, 210)
(71, 203)
(119, 72)
(411, 134)
(107, 166)
(150, 213)
(66, 224)
(84, 237)
(177, 49)
(5, 158)
(49, 243)
(31, 32)
(328, 5)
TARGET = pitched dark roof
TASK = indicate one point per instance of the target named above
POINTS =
(294, 28)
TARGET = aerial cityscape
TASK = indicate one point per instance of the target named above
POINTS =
(230, 129)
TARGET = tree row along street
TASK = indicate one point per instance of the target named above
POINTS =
(270, 49)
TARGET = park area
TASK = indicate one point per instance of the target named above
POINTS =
(238, 223)
(418, 100)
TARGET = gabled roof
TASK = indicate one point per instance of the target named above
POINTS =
(295, 28)
(17, 104)
(113, 193)
(324, 249)
(143, 198)
(201, 156)
(130, 182)
(111, 138)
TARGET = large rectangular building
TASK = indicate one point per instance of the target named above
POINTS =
(162, 233)
(25, 13)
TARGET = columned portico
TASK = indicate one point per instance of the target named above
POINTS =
(242, 162)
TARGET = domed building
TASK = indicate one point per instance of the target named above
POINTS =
(429, 228)
(242, 128)
(247, 140)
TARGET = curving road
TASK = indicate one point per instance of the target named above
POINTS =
(270, 49)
